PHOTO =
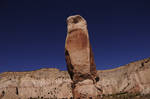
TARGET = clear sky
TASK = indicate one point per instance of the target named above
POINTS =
(33, 32)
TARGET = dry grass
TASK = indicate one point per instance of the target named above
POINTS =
(127, 96)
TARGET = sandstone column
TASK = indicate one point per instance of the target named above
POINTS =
(80, 60)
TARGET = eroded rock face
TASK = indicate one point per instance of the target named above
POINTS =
(131, 78)
(44, 83)
(52, 83)
(79, 59)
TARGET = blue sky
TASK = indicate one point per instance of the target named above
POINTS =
(33, 32)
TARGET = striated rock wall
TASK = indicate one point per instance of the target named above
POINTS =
(52, 83)
(132, 78)
(46, 83)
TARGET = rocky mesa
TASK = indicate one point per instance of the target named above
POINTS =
(53, 83)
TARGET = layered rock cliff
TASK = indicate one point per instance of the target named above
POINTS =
(53, 83)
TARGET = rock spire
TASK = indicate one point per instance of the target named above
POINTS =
(80, 60)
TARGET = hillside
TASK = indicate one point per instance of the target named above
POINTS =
(53, 83)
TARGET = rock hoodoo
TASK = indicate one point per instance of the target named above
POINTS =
(80, 60)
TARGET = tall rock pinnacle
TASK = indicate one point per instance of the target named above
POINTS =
(79, 59)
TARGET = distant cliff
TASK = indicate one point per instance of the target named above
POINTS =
(52, 83)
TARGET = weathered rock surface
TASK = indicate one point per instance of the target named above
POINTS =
(46, 83)
(52, 83)
(80, 60)
(131, 78)
(79, 56)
